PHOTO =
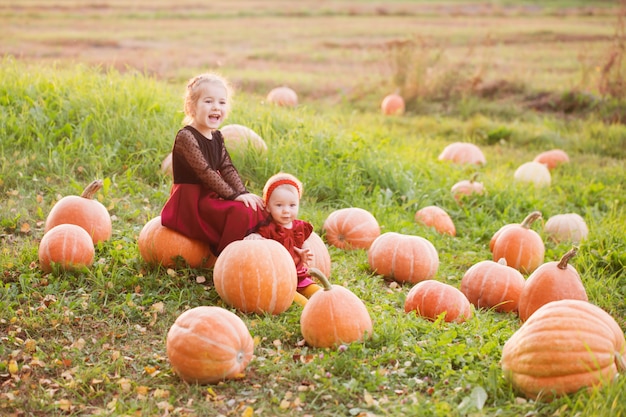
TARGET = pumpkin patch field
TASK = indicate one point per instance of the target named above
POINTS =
(470, 247)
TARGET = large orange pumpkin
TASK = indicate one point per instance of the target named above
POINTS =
(551, 281)
(351, 228)
(567, 345)
(159, 245)
(334, 316)
(282, 96)
(209, 344)
(321, 256)
(83, 211)
(238, 138)
(437, 218)
(568, 227)
(552, 158)
(489, 284)
(521, 246)
(463, 153)
(67, 245)
(392, 104)
(429, 299)
(256, 276)
(403, 258)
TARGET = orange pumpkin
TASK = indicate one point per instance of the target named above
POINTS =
(489, 284)
(334, 316)
(392, 104)
(256, 276)
(551, 281)
(351, 228)
(238, 138)
(159, 245)
(569, 227)
(209, 344)
(463, 153)
(466, 188)
(282, 96)
(437, 218)
(430, 299)
(321, 256)
(521, 246)
(67, 245)
(83, 211)
(567, 345)
(552, 158)
(403, 258)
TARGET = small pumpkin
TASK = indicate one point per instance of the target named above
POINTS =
(159, 245)
(437, 218)
(467, 188)
(256, 276)
(403, 258)
(430, 299)
(533, 173)
(551, 281)
(552, 158)
(83, 211)
(351, 228)
(282, 96)
(489, 284)
(521, 246)
(565, 346)
(334, 316)
(463, 153)
(238, 138)
(321, 256)
(209, 344)
(392, 104)
(67, 245)
(568, 227)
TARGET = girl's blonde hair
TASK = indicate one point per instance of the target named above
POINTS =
(194, 89)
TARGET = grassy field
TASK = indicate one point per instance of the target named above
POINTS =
(514, 78)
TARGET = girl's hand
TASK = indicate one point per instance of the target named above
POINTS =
(251, 200)
(305, 254)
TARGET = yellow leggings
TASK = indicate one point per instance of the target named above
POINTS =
(303, 294)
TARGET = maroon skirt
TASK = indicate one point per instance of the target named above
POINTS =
(200, 214)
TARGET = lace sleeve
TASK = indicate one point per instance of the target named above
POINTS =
(187, 146)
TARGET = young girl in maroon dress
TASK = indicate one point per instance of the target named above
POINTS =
(281, 194)
(208, 200)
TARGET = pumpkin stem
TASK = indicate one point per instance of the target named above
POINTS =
(473, 178)
(314, 272)
(565, 259)
(90, 191)
(530, 219)
(620, 362)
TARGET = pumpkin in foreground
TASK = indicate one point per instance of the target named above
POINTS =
(209, 344)
(403, 258)
(159, 245)
(351, 228)
(567, 345)
(67, 245)
(521, 247)
(430, 299)
(334, 316)
(83, 211)
(550, 282)
(256, 276)
(489, 284)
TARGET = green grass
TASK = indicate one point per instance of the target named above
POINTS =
(93, 342)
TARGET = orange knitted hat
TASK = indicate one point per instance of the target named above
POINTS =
(281, 178)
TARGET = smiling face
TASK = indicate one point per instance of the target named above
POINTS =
(211, 107)
(283, 205)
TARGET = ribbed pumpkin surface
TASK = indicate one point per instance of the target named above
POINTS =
(521, 246)
(209, 344)
(437, 218)
(431, 298)
(256, 276)
(159, 245)
(67, 245)
(489, 284)
(321, 256)
(564, 346)
(403, 258)
(351, 228)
